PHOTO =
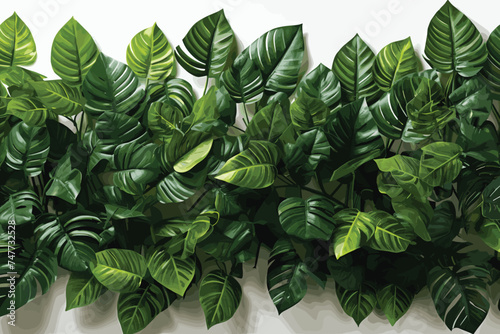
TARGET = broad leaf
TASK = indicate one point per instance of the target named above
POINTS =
(82, 289)
(20, 207)
(394, 301)
(454, 43)
(353, 231)
(440, 163)
(65, 181)
(390, 235)
(207, 46)
(307, 219)
(163, 119)
(358, 303)
(253, 168)
(178, 187)
(268, 124)
(322, 84)
(491, 200)
(119, 270)
(491, 69)
(30, 110)
(308, 112)
(150, 55)
(243, 80)
(17, 46)
(74, 52)
(59, 97)
(220, 296)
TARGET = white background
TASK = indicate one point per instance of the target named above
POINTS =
(327, 26)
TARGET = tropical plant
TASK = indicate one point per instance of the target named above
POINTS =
(122, 175)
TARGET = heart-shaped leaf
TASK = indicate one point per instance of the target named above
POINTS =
(17, 46)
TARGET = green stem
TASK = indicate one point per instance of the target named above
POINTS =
(399, 146)
(206, 86)
(336, 189)
(81, 125)
(237, 128)
(286, 180)
(246, 120)
(199, 199)
(320, 183)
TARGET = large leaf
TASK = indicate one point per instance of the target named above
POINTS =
(454, 43)
(393, 62)
(137, 309)
(253, 168)
(322, 84)
(352, 132)
(278, 55)
(458, 295)
(74, 52)
(478, 142)
(220, 296)
(243, 80)
(30, 110)
(390, 235)
(119, 270)
(307, 219)
(27, 148)
(185, 151)
(136, 165)
(308, 112)
(353, 231)
(440, 163)
(353, 67)
(150, 55)
(61, 98)
(20, 207)
(172, 271)
(38, 268)
(416, 214)
(472, 101)
(178, 187)
(394, 301)
(73, 238)
(208, 42)
(286, 276)
(82, 289)
(17, 46)
(358, 303)
(110, 86)
(268, 124)
(163, 119)
(491, 69)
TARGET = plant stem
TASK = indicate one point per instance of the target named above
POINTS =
(81, 125)
(199, 199)
(336, 189)
(237, 128)
(320, 183)
(351, 192)
(399, 146)
(206, 86)
(246, 120)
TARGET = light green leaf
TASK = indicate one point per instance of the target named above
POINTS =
(308, 112)
(17, 46)
(30, 110)
(253, 168)
(440, 163)
(268, 124)
(390, 235)
(353, 231)
(65, 181)
(394, 301)
(82, 289)
(119, 270)
(163, 119)
(74, 52)
(61, 98)
(150, 55)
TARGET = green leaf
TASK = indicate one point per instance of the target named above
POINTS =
(205, 109)
(150, 55)
(478, 142)
(61, 98)
(73, 237)
(184, 152)
(136, 165)
(405, 172)
(491, 200)
(472, 101)
(353, 67)
(440, 163)
(286, 276)
(17, 46)
(358, 303)
(268, 124)
(454, 43)
(352, 132)
(354, 228)
(491, 69)
(220, 296)
(489, 231)
(30, 110)
(20, 207)
(82, 289)
(253, 168)
(416, 214)
(65, 181)
(208, 44)
(179, 93)
(458, 295)
(171, 271)
(390, 235)
(199, 230)
(163, 119)
(278, 54)
(444, 225)
(119, 270)
(74, 52)
(243, 80)
(137, 309)
(303, 157)
(27, 149)
(178, 187)
(352, 165)
(38, 268)
(393, 62)
(308, 219)
(110, 86)
(19, 76)
(308, 112)
(346, 272)
(394, 301)
(322, 84)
